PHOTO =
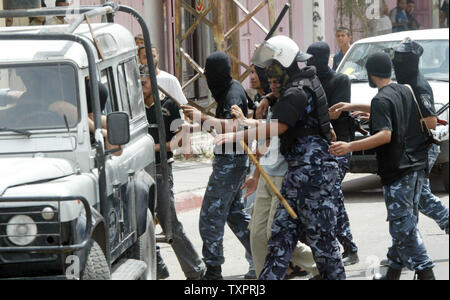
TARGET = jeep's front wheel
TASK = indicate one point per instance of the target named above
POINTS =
(96, 265)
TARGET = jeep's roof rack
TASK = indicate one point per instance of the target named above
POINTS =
(108, 10)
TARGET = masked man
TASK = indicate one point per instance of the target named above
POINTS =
(402, 149)
(406, 65)
(304, 127)
(338, 89)
(223, 202)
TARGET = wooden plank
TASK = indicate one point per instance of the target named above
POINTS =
(260, 6)
(272, 13)
(245, 75)
(193, 12)
(242, 7)
(192, 62)
(196, 23)
(192, 80)
(219, 24)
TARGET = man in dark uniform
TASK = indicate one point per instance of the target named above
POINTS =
(188, 257)
(304, 127)
(406, 65)
(338, 89)
(402, 150)
(223, 202)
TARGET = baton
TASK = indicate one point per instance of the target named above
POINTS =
(278, 21)
(269, 182)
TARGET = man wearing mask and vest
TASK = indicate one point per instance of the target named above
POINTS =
(338, 89)
(223, 202)
(305, 130)
(406, 65)
(402, 149)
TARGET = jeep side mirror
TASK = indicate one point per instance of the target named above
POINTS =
(118, 128)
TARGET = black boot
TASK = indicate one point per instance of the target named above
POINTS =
(391, 275)
(213, 273)
(350, 258)
(427, 274)
(162, 272)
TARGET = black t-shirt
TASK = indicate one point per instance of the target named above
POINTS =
(291, 110)
(171, 113)
(290, 107)
(338, 89)
(394, 109)
(236, 95)
(425, 96)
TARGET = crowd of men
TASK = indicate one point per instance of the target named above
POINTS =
(305, 131)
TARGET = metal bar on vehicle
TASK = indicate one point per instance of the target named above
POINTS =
(95, 12)
(45, 12)
(166, 204)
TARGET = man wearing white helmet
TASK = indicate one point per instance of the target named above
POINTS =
(305, 131)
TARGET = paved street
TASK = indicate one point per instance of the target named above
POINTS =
(366, 210)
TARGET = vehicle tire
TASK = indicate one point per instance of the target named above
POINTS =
(145, 249)
(96, 265)
(445, 176)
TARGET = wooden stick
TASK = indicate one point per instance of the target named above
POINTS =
(269, 182)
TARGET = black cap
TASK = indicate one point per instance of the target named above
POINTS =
(409, 46)
(379, 65)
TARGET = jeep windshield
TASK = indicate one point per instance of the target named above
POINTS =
(37, 97)
(434, 64)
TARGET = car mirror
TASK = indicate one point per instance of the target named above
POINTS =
(118, 128)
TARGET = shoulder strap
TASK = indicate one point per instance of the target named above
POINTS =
(418, 107)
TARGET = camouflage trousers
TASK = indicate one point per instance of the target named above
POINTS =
(223, 203)
(402, 202)
(308, 189)
(430, 205)
(343, 231)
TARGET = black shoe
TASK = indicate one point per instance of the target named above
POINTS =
(213, 273)
(391, 275)
(199, 277)
(350, 259)
(251, 275)
(427, 274)
(162, 272)
(296, 272)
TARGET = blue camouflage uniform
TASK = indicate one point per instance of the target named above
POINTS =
(344, 234)
(223, 204)
(402, 200)
(308, 188)
(430, 205)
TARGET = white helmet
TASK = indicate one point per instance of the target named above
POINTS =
(280, 48)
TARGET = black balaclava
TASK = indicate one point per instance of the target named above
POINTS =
(263, 80)
(321, 56)
(406, 61)
(218, 74)
(379, 65)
